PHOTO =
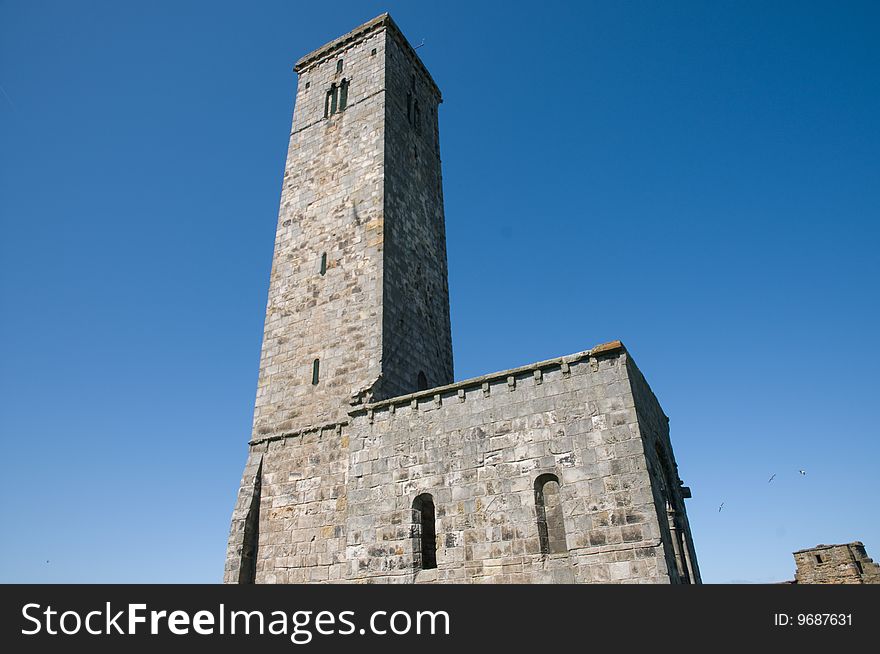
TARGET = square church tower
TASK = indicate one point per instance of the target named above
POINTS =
(367, 462)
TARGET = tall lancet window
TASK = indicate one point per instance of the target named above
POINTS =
(551, 523)
(343, 94)
(424, 533)
(331, 100)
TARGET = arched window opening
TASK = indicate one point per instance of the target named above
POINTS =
(316, 365)
(339, 66)
(424, 532)
(423, 381)
(551, 523)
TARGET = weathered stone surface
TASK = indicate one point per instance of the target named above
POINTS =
(836, 564)
(385, 470)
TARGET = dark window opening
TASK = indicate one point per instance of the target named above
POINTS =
(324, 264)
(409, 107)
(316, 364)
(423, 381)
(373, 53)
(339, 66)
(343, 94)
(818, 558)
(337, 98)
(551, 523)
(308, 84)
(424, 532)
(330, 101)
(417, 115)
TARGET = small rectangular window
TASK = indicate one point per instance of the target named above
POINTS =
(316, 364)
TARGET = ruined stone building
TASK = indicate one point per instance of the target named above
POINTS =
(836, 564)
(368, 462)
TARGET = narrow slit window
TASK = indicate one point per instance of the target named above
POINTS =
(330, 102)
(339, 66)
(424, 532)
(324, 263)
(316, 371)
(409, 107)
(343, 94)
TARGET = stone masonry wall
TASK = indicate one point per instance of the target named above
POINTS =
(416, 330)
(669, 494)
(836, 564)
(361, 188)
(337, 502)
(331, 202)
(560, 471)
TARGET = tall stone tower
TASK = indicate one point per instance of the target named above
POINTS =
(358, 298)
(367, 462)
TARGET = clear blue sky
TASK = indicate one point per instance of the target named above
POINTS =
(700, 180)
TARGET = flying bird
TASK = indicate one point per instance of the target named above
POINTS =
(720, 507)
(803, 472)
(772, 477)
